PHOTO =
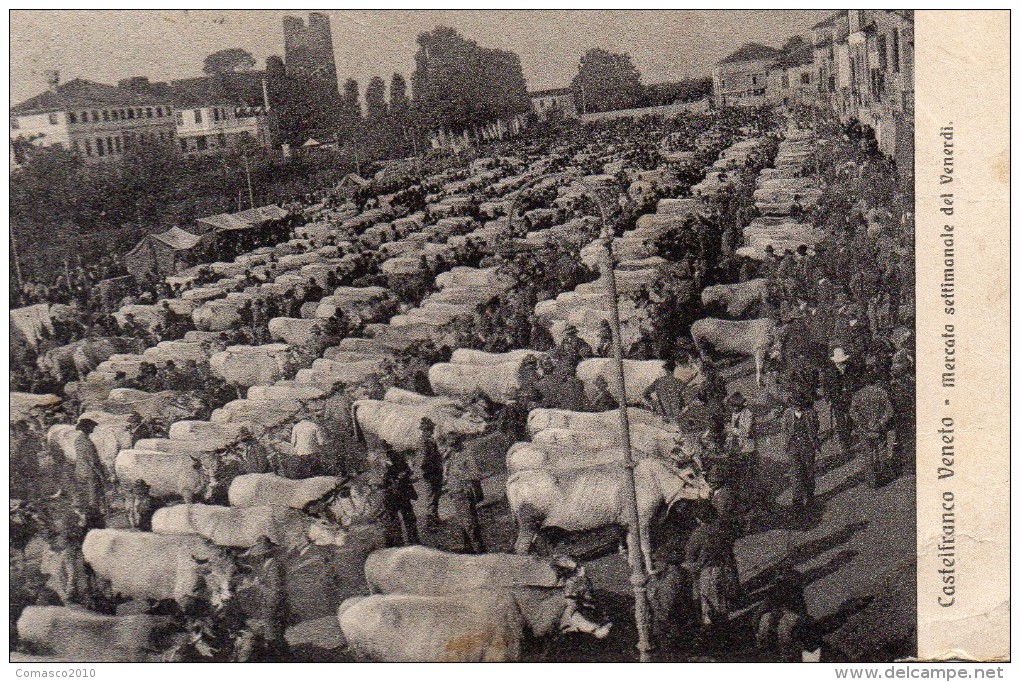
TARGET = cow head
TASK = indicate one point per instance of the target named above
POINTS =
(678, 482)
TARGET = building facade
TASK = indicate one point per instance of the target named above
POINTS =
(741, 79)
(97, 121)
(859, 63)
(308, 50)
(555, 102)
(102, 122)
(205, 129)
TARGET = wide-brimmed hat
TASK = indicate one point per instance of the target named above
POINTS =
(839, 355)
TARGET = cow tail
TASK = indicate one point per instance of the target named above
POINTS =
(359, 434)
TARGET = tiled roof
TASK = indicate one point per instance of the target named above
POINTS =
(752, 52)
(80, 93)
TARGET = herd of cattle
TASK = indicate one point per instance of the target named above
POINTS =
(413, 603)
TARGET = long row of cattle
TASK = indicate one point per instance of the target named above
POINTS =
(185, 532)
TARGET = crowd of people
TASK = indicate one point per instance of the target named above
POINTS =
(845, 311)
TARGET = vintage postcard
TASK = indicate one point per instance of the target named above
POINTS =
(510, 336)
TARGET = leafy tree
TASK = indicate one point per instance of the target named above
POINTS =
(231, 60)
(606, 81)
(375, 99)
(458, 85)
(400, 105)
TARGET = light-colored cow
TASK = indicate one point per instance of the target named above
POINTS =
(757, 339)
(596, 497)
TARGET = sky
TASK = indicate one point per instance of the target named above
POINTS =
(107, 45)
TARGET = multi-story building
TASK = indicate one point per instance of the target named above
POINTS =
(871, 59)
(308, 50)
(741, 79)
(554, 102)
(793, 80)
(215, 113)
(100, 122)
(209, 128)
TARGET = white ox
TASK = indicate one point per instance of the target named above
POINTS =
(396, 420)
(153, 566)
(736, 300)
(72, 634)
(595, 497)
(757, 339)
(253, 490)
(239, 526)
(499, 378)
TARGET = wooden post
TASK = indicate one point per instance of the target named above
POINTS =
(17, 262)
(638, 577)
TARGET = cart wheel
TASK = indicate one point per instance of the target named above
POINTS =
(788, 642)
(764, 636)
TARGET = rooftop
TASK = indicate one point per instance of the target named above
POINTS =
(231, 89)
(80, 93)
(752, 52)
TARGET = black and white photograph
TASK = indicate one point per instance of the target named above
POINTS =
(463, 336)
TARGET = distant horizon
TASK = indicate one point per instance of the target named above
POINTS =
(107, 46)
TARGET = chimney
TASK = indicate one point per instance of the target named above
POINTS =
(52, 80)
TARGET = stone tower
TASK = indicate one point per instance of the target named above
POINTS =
(308, 50)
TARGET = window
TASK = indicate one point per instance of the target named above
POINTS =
(222, 139)
(805, 78)
(180, 118)
(95, 116)
(14, 124)
(201, 143)
(722, 84)
(88, 147)
(116, 143)
(53, 119)
(99, 146)
(148, 112)
(106, 115)
(184, 145)
(883, 58)
(754, 80)
(216, 113)
(72, 117)
(896, 50)
(159, 112)
(198, 115)
(131, 113)
(109, 145)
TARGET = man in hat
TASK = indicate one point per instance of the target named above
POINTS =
(464, 482)
(398, 497)
(666, 393)
(89, 488)
(839, 383)
(266, 562)
(140, 506)
(871, 412)
(739, 441)
(571, 350)
(431, 467)
(801, 444)
(603, 399)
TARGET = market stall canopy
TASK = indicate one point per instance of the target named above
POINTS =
(160, 253)
(243, 220)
